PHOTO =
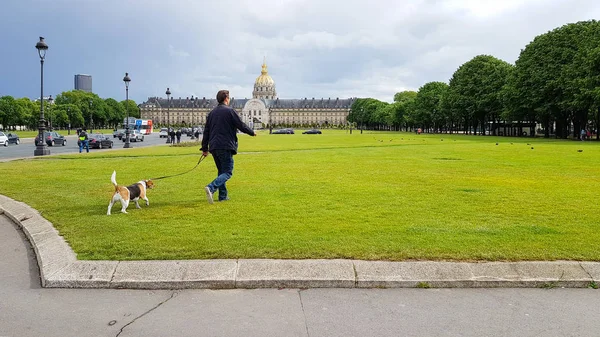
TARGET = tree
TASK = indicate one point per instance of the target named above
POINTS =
(405, 96)
(475, 90)
(553, 75)
(115, 112)
(8, 111)
(91, 106)
(134, 110)
(26, 111)
(68, 115)
(428, 105)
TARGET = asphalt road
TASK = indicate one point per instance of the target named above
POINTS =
(26, 148)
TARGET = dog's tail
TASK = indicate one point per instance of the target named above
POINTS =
(113, 179)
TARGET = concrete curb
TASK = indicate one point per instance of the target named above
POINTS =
(59, 268)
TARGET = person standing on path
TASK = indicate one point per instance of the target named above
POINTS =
(172, 135)
(83, 141)
(220, 139)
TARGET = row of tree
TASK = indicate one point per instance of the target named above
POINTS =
(73, 109)
(554, 83)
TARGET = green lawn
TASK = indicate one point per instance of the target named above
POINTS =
(388, 196)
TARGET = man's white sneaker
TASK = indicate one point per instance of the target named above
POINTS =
(209, 195)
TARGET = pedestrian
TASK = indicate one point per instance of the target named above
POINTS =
(583, 134)
(83, 141)
(220, 139)
(178, 135)
(172, 135)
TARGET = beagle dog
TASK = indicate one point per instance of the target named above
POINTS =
(132, 192)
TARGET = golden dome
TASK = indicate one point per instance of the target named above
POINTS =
(264, 79)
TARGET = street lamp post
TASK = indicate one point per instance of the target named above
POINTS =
(126, 79)
(41, 149)
(168, 93)
(69, 117)
(50, 100)
(361, 119)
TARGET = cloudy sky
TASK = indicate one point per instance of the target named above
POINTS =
(313, 48)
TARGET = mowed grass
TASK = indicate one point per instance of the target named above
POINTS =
(371, 196)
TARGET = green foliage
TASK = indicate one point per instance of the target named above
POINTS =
(88, 106)
(8, 111)
(557, 75)
(134, 110)
(475, 90)
(427, 112)
(76, 107)
(26, 110)
(115, 112)
(405, 96)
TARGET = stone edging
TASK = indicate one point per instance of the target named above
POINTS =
(59, 268)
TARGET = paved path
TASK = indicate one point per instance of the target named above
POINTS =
(27, 309)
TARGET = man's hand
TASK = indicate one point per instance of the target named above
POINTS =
(204, 153)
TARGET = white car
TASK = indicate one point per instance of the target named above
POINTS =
(164, 132)
(3, 139)
(134, 136)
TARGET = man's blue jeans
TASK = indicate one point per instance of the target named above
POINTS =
(224, 161)
(82, 144)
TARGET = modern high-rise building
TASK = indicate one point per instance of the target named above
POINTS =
(83, 82)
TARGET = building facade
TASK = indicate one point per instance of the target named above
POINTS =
(83, 82)
(262, 110)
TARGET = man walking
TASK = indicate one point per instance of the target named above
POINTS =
(220, 139)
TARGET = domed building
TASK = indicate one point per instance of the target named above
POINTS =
(264, 86)
(262, 110)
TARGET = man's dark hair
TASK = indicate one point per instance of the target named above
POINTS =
(222, 95)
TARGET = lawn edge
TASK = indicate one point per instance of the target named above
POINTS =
(59, 268)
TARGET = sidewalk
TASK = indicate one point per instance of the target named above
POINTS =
(59, 268)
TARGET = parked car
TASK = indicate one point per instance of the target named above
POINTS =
(312, 132)
(3, 139)
(164, 132)
(52, 138)
(287, 131)
(13, 138)
(119, 133)
(134, 136)
(99, 141)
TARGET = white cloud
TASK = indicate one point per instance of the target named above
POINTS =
(313, 48)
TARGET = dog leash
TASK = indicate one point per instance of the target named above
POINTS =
(175, 175)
